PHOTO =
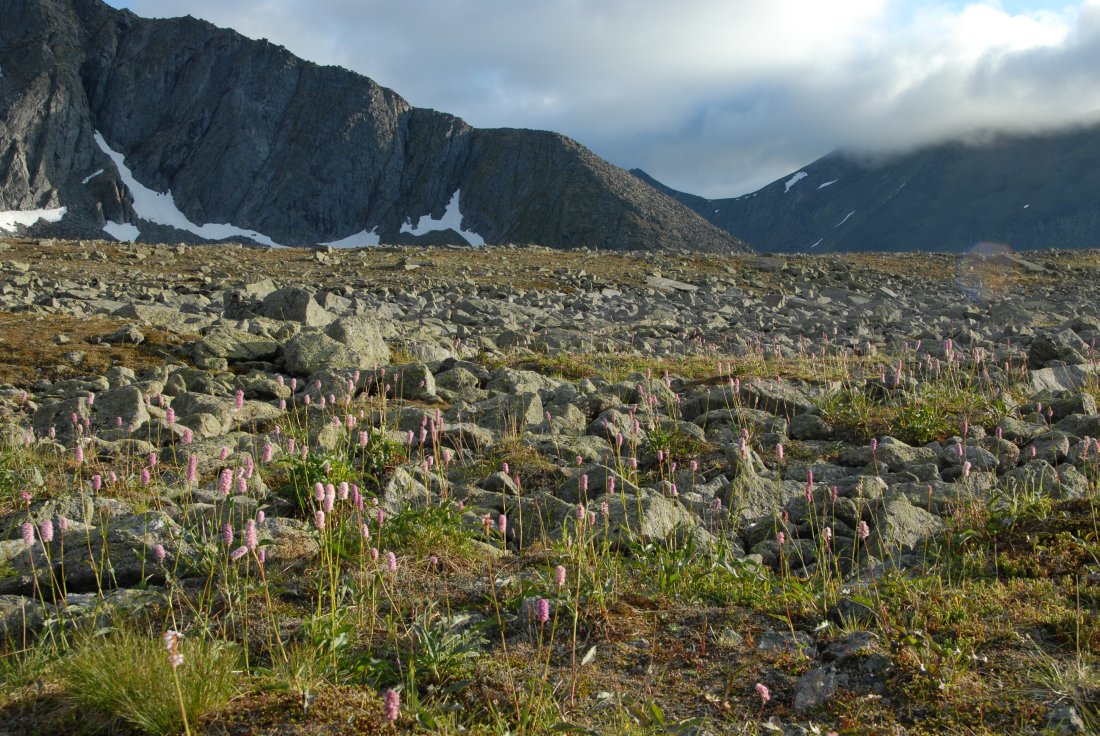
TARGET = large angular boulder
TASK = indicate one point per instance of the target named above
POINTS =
(122, 557)
(1056, 347)
(646, 516)
(232, 345)
(363, 335)
(899, 525)
(510, 413)
(412, 381)
(312, 351)
(295, 304)
(125, 402)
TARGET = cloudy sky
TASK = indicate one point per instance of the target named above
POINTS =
(714, 97)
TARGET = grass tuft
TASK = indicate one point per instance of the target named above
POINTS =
(124, 677)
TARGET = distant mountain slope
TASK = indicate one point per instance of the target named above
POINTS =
(1027, 191)
(176, 129)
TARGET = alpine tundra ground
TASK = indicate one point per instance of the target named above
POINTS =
(521, 491)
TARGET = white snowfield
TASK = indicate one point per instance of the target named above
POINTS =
(794, 180)
(123, 232)
(12, 219)
(451, 220)
(828, 183)
(361, 239)
(161, 209)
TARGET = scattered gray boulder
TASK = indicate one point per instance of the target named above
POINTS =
(362, 335)
(233, 346)
(817, 687)
(1063, 347)
(897, 524)
(295, 304)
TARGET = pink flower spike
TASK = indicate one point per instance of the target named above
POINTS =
(391, 706)
(763, 692)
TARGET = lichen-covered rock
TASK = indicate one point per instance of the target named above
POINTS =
(896, 524)
(233, 346)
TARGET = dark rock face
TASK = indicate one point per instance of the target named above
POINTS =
(1026, 191)
(243, 132)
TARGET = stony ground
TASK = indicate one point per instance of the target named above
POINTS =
(528, 491)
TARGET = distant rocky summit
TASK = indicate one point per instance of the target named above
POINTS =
(175, 130)
(1024, 191)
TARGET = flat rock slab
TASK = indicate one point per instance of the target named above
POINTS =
(659, 282)
(1062, 378)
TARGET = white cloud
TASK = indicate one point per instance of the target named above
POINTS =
(713, 96)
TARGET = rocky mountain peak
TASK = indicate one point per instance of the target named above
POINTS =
(178, 130)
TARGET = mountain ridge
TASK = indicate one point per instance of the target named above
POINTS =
(1025, 190)
(242, 132)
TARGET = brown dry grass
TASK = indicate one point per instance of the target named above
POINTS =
(29, 351)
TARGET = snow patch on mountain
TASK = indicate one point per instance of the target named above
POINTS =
(161, 209)
(123, 232)
(362, 239)
(834, 181)
(451, 220)
(844, 220)
(794, 180)
(89, 177)
(25, 218)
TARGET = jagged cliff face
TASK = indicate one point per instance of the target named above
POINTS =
(253, 143)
